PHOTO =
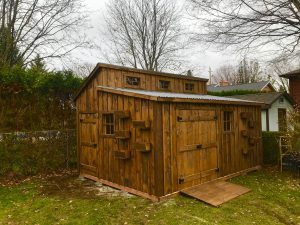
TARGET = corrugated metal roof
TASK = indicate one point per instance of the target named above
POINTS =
(176, 95)
(249, 87)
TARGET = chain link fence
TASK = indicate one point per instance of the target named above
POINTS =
(29, 153)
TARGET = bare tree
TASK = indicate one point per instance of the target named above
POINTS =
(82, 69)
(279, 67)
(246, 71)
(225, 73)
(250, 24)
(249, 71)
(45, 27)
(144, 34)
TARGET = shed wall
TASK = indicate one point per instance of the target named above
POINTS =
(235, 153)
(154, 172)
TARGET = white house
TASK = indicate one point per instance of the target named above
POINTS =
(275, 109)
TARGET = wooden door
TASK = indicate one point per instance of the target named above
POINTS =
(197, 149)
(282, 119)
(88, 144)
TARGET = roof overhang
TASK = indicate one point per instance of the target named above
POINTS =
(292, 74)
(137, 94)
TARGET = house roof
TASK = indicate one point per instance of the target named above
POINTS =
(175, 97)
(293, 73)
(267, 98)
(258, 86)
(128, 69)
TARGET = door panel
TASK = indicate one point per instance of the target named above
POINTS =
(88, 144)
(197, 148)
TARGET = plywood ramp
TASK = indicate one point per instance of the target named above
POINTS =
(216, 192)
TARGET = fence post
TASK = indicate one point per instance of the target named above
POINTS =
(67, 132)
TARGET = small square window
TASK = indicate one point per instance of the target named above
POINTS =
(281, 100)
(189, 86)
(164, 84)
(227, 121)
(108, 124)
(133, 80)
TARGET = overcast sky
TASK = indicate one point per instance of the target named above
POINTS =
(200, 58)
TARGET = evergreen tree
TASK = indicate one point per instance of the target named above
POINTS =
(38, 64)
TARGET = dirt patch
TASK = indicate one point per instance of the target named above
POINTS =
(70, 186)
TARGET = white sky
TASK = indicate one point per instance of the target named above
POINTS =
(199, 58)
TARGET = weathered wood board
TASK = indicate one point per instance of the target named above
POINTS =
(215, 193)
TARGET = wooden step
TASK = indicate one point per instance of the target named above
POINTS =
(122, 154)
(215, 193)
(122, 134)
(142, 147)
(141, 124)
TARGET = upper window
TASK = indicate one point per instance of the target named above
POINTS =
(136, 81)
(189, 87)
(164, 84)
(228, 121)
(108, 124)
(281, 100)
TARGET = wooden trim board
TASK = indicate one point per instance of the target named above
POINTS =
(165, 197)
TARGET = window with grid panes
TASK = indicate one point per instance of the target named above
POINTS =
(164, 84)
(189, 86)
(227, 120)
(108, 124)
(135, 81)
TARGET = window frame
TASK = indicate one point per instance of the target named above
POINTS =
(190, 83)
(164, 80)
(126, 75)
(282, 122)
(281, 100)
(110, 124)
(228, 121)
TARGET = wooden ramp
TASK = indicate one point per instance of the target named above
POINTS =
(216, 192)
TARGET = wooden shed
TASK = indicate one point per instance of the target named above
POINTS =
(154, 134)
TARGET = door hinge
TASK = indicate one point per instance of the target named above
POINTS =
(199, 146)
(179, 118)
(181, 180)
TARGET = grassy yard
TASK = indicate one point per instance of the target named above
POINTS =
(274, 199)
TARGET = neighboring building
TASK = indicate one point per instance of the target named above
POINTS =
(294, 85)
(263, 86)
(275, 109)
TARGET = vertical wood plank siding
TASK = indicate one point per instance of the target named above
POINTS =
(157, 171)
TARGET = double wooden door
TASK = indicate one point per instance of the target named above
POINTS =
(197, 148)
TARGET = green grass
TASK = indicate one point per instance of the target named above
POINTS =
(274, 199)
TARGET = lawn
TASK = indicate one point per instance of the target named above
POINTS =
(63, 199)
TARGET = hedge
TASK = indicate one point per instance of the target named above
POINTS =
(25, 154)
(271, 147)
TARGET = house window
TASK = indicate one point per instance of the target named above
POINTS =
(189, 86)
(282, 120)
(108, 124)
(228, 121)
(135, 81)
(281, 100)
(164, 84)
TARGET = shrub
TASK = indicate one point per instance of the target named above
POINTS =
(37, 152)
(231, 93)
(271, 147)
